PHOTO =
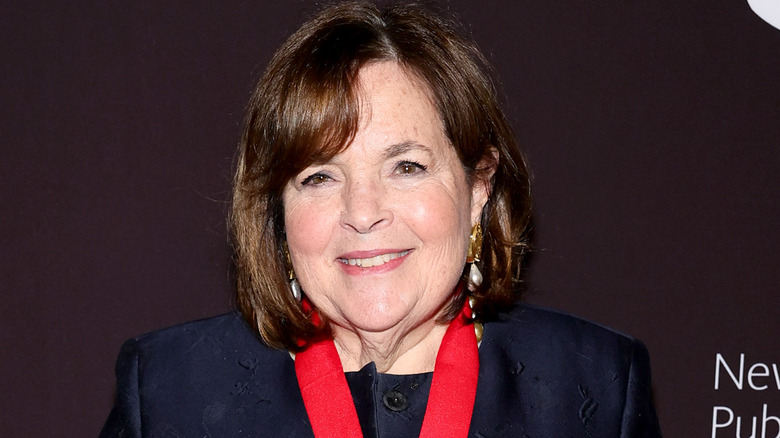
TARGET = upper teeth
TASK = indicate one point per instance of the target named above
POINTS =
(374, 261)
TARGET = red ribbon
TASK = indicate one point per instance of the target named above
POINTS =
(331, 410)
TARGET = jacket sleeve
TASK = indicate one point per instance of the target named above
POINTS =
(125, 417)
(639, 417)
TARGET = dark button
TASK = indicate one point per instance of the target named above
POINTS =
(395, 401)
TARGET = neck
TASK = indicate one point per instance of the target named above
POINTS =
(394, 351)
(326, 395)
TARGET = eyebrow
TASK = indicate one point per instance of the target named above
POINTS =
(403, 147)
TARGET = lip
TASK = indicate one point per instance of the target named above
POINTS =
(385, 267)
(369, 254)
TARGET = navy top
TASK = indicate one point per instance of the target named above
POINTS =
(541, 374)
(389, 405)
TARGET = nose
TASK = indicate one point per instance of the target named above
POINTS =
(365, 207)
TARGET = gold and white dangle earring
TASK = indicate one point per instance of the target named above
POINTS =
(473, 256)
(295, 287)
(475, 277)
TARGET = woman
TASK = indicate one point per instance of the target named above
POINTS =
(380, 213)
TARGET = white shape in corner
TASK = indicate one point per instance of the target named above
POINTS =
(768, 10)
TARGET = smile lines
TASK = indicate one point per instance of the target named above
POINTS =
(374, 261)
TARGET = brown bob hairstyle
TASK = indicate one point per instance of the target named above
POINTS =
(304, 110)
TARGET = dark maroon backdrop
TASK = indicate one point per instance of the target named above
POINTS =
(652, 129)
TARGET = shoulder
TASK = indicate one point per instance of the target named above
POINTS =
(206, 342)
(201, 358)
(556, 342)
(208, 377)
(537, 327)
(223, 328)
(592, 380)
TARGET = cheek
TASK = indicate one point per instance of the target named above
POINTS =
(439, 217)
(308, 230)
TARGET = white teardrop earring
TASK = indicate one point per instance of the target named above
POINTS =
(295, 287)
(475, 277)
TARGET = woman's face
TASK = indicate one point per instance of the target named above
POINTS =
(378, 235)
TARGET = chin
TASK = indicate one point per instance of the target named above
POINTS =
(376, 318)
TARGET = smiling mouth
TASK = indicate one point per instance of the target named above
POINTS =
(374, 261)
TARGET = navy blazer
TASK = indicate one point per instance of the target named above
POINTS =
(542, 374)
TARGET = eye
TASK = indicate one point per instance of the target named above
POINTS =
(409, 168)
(315, 179)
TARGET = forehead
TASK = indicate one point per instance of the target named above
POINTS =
(380, 76)
(396, 101)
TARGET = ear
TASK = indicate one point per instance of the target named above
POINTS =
(481, 185)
